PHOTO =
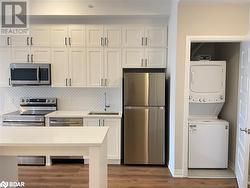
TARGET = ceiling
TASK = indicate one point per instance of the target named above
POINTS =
(214, 1)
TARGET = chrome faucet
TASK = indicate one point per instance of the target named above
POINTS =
(105, 102)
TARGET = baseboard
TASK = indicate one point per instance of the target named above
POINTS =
(176, 173)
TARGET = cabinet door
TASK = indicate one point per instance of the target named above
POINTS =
(112, 58)
(21, 55)
(156, 58)
(94, 67)
(59, 36)
(59, 67)
(133, 36)
(156, 36)
(94, 35)
(77, 67)
(76, 35)
(91, 122)
(133, 57)
(5, 56)
(20, 40)
(5, 41)
(40, 55)
(113, 36)
(114, 138)
(40, 36)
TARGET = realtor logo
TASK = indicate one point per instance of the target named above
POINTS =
(14, 17)
(4, 184)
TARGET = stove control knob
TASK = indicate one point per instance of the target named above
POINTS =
(204, 100)
(22, 100)
(27, 100)
(221, 97)
(200, 100)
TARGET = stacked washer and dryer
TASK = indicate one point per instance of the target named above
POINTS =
(208, 135)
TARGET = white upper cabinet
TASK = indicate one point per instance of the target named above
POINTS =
(112, 67)
(103, 36)
(59, 67)
(133, 36)
(76, 36)
(20, 40)
(155, 58)
(59, 36)
(5, 41)
(40, 36)
(133, 57)
(21, 55)
(155, 37)
(40, 55)
(94, 36)
(5, 56)
(77, 67)
(95, 67)
(112, 36)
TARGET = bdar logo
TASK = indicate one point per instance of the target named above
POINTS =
(4, 184)
(14, 14)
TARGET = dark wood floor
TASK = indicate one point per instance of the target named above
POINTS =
(76, 176)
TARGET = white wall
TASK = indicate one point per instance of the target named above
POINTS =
(208, 20)
(172, 35)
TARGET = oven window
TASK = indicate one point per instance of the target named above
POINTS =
(44, 74)
(23, 74)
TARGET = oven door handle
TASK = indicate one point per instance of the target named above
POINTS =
(24, 124)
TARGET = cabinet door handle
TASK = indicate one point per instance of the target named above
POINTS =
(9, 81)
(142, 62)
(146, 40)
(103, 124)
(28, 58)
(146, 62)
(31, 41)
(8, 41)
(106, 82)
(66, 81)
(28, 41)
(99, 122)
(70, 41)
(65, 41)
(142, 41)
(106, 41)
(102, 41)
(70, 82)
(32, 59)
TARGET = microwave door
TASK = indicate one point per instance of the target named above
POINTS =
(24, 76)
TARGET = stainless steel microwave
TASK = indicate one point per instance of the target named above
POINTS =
(30, 74)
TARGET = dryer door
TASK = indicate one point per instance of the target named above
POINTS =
(207, 82)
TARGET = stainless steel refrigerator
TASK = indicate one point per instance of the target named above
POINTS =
(144, 117)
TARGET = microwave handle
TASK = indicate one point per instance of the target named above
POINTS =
(38, 74)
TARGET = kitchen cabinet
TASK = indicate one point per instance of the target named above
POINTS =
(139, 36)
(99, 36)
(104, 67)
(5, 41)
(67, 36)
(68, 67)
(113, 137)
(30, 55)
(144, 58)
(39, 36)
(5, 55)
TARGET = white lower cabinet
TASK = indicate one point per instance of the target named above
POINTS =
(114, 136)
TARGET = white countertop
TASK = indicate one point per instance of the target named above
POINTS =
(52, 136)
(80, 114)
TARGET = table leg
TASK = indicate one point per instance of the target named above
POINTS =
(8, 169)
(98, 170)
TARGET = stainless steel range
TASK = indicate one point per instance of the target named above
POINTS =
(32, 113)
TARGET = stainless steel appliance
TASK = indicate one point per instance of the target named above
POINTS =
(30, 74)
(32, 113)
(144, 117)
(66, 122)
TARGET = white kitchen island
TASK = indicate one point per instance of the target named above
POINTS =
(56, 141)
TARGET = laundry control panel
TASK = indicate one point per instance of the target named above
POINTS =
(202, 99)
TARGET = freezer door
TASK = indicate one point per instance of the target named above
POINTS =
(144, 89)
(144, 135)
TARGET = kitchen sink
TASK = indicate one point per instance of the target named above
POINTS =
(103, 113)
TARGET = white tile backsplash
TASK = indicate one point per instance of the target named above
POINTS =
(68, 98)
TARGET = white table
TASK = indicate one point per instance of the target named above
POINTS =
(56, 141)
